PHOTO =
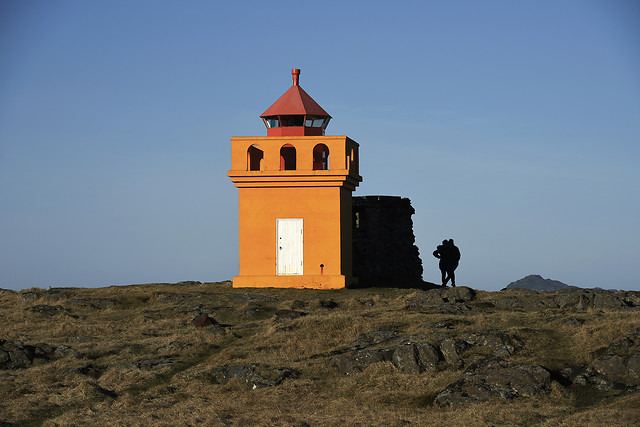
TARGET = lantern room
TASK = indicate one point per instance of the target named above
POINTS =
(295, 113)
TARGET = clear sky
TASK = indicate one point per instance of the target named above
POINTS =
(513, 127)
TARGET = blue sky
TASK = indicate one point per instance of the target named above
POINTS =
(514, 128)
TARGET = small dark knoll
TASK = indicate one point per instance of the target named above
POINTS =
(536, 282)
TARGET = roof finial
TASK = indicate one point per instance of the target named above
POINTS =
(296, 76)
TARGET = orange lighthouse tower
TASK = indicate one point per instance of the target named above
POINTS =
(295, 188)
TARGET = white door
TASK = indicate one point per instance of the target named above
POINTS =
(289, 246)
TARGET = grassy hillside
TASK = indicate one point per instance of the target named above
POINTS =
(133, 355)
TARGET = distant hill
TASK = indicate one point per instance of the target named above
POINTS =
(536, 282)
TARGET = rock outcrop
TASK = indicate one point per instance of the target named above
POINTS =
(412, 355)
(16, 354)
(574, 298)
(488, 379)
(620, 361)
(254, 375)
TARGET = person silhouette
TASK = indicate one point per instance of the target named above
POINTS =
(449, 256)
(453, 254)
(440, 253)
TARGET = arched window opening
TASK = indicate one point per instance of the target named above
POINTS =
(287, 158)
(320, 157)
(254, 158)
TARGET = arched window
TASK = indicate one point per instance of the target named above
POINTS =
(254, 158)
(287, 158)
(320, 157)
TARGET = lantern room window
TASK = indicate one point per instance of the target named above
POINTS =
(297, 121)
(315, 122)
(271, 122)
(291, 121)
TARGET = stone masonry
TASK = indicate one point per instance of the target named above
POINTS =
(384, 253)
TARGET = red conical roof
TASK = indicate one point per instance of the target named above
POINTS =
(295, 101)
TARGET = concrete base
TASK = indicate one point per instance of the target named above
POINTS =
(301, 282)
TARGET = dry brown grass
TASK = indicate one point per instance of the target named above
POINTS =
(154, 321)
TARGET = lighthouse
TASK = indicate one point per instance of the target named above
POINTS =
(295, 190)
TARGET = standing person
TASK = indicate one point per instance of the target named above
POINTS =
(441, 254)
(449, 256)
(453, 259)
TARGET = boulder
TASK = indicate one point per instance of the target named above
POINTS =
(157, 363)
(213, 327)
(631, 298)
(440, 295)
(509, 303)
(458, 294)
(254, 375)
(411, 356)
(204, 321)
(260, 312)
(620, 361)
(15, 354)
(327, 303)
(582, 299)
(575, 298)
(428, 356)
(47, 310)
(503, 344)
(451, 350)
(353, 362)
(590, 377)
(483, 305)
(371, 338)
(64, 351)
(493, 378)
(90, 371)
(30, 295)
(607, 300)
(443, 308)
(404, 358)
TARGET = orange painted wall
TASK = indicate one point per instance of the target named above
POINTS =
(319, 207)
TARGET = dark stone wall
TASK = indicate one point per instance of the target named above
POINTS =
(384, 253)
